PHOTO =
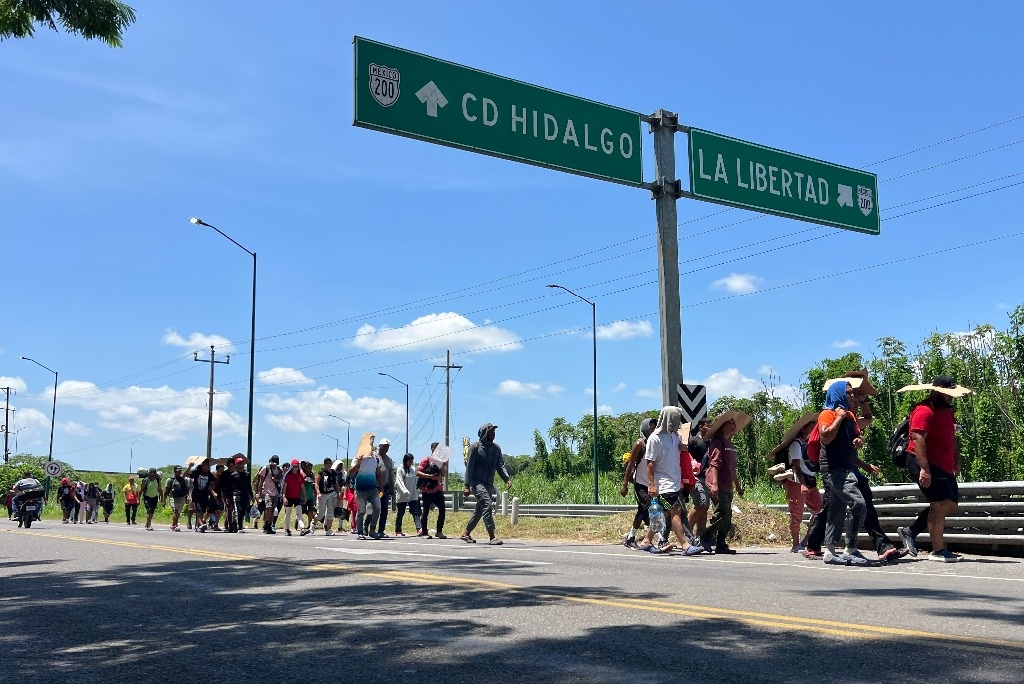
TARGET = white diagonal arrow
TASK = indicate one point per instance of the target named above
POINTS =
(845, 195)
(432, 97)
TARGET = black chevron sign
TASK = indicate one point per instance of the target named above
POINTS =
(693, 400)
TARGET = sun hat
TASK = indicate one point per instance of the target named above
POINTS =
(794, 430)
(859, 384)
(742, 421)
(944, 384)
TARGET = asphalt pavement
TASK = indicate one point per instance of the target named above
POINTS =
(103, 603)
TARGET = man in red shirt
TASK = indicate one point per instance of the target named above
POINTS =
(934, 461)
(430, 480)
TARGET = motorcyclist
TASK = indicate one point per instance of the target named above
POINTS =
(26, 485)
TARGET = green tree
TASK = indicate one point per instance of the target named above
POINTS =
(106, 20)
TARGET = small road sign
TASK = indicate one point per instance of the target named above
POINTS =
(406, 93)
(693, 400)
(743, 174)
(54, 468)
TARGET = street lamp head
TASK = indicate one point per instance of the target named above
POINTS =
(552, 286)
(24, 358)
(195, 221)
(379, 373)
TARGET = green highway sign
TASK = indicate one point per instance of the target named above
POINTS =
(743, 174)
(409, 94)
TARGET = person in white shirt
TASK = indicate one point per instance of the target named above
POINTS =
(407, 497)
(664, 477)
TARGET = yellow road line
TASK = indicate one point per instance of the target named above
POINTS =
(770, 620)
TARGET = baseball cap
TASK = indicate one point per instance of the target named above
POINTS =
(177, 468)
(275, 459)
(239, 460)
(295, 461)
(384, 442)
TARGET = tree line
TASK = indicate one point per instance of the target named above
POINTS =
(987, 359)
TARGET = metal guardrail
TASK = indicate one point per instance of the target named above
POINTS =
(990, 513)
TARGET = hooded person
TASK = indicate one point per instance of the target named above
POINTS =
(484, 460)
(107, 501)
(663, 460)
(637, 477)
(840, 440)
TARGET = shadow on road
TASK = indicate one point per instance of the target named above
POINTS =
(196, 619)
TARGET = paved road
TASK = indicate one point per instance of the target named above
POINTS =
(117, 604)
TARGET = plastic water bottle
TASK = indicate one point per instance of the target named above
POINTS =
(656, 514)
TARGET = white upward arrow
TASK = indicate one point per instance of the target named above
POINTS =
(433, 98)
(845, 195)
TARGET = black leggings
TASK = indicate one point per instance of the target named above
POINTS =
(428, 500)
(130, 511)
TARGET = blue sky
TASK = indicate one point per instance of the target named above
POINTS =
(377, 253)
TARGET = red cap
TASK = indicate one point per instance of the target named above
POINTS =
(295, 461)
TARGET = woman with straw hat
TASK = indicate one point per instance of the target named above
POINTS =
(721, 478)
(800, 482)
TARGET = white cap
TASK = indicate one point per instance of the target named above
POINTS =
(384, 442)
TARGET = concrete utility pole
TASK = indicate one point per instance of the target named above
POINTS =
(666, 190)
(7, 420)
(448, 396)
(209, 422)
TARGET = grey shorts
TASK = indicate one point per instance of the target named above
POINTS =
(178, 503)
(699, 494)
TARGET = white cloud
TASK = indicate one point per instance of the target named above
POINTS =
(169, 414)
(845, 344)
(73, 428)
(765, 370)
(284, 376)
(437, 331)
(738, 283)
(526, 390)
(731, 382)
(648, 393)
(16, 384)
(604, 409)
(589, 391)
(195, 341)
(624, 330)
(618, 388)
(309, 411)
(33, 420)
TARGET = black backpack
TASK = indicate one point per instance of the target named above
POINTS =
(899, 443)
(431, 469)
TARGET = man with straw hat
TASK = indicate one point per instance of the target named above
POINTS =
(933, 461)
(721, 478)
(800, 482)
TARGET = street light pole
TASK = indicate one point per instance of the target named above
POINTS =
(252, 341)
(406, 408)
(131, 454)
(53, 414)
(337, 443)
(593, 307)
(348, 439)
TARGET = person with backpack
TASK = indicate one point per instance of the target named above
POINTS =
(202, 490)
(666, 471)
(66, 497)
(268, 488)
(387, 488)
(798, 478)
(369, 478)
(241, 493)
(292, 481)
(92, 495)
(840, 440)
(150, 495)
(697, 446)
(176, 490)
(430, 482)
(107, 502)
(629, 477)
(933, 459)
(722, 479)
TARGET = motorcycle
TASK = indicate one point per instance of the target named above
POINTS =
(29, 506)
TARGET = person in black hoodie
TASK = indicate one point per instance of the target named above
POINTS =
(241, 493)
(485, 459)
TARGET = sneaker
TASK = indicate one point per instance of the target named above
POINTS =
(466, 538)
(831, 558)
(811, 554)
(362, 536)
(854, 557)
(777, 468)
(377, 535)
(725, 549)
(354, 532)
(421, 533)
(203, 528)
(400, 534)
(944, 556)
(382, 535)
(327, 533)
(890, 555)
(288, 532)
(441, 536)
(630, 543)
(303, 532)
(797, 548)
(190, 524)
(908, 541)
(495, 542)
